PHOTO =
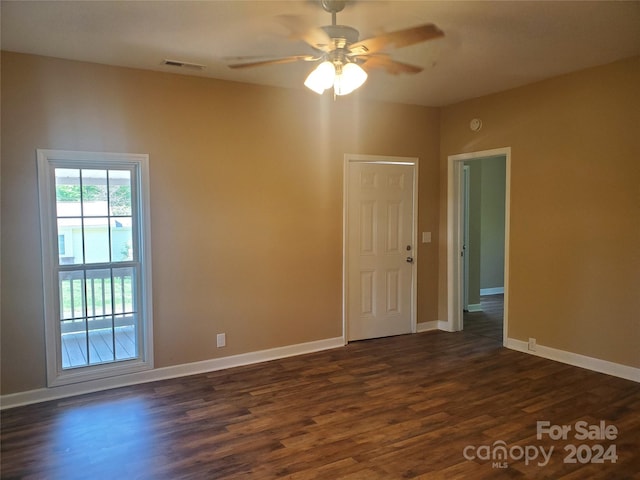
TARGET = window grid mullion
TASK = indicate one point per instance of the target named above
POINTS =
(113, 312)
(109, 217)
(135, 206)
(86, 316)
(85, 306)
(84, 253)
(110, 246)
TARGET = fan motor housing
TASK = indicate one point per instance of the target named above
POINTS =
(333, 6)
(338, 32)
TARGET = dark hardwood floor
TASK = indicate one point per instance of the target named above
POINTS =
(391, 408)
(489, 321)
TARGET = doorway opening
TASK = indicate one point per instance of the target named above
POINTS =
(478, 233)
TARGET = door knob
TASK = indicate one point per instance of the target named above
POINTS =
(409, 259)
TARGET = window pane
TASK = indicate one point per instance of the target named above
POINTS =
(90, 335)
(101, 340)
(123, 291)
(120, 193)
(73, 336)
(94, 193)
(96, 240)
(67, 192)
(72, 301)
(61, 245)
(121, 239)
(126, 336)
(70, 229)
(98, 288)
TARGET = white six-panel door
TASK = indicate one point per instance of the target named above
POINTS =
(380, 249)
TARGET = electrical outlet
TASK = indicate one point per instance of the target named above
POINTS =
(532, 344)
(221, 340)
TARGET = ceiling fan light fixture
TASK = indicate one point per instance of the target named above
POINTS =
(321, 78)
(344, 78)
(349, 79)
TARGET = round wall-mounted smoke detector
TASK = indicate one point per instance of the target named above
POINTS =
(475, 124)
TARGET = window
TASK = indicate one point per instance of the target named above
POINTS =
(61, 245)
(94, 214)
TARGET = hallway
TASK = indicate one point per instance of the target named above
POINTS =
(489, 321)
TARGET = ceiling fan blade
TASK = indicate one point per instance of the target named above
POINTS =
(301, 30)
(274, 61)
(387, 63)
(399, 38)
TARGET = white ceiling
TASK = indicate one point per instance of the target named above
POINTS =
(489, 46)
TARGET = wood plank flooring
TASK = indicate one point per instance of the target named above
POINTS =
(489, 321)
(391, 408)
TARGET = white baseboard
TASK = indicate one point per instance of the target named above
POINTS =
(474, 307)
(445, 326)
(426, 326)
(491, 291)
(46, 394)
(577, 360)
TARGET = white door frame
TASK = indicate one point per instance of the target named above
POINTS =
(465, 234)
(455, 164)
(380, 160)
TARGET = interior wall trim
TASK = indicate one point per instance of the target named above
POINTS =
(455, 164)
(491, 291)
(426, 326)
(45, 394)
(54, 393)
(577, 360)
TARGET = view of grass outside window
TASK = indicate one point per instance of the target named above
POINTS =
(98, 296)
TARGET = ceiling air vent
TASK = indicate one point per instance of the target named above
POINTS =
(181, 64)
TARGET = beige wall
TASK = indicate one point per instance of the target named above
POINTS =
(575, 206)
(474, 248)
(492, 228)
(246, 201)
(246, 194)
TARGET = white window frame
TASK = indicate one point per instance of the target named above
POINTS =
(48, 160)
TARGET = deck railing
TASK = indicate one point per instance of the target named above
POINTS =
(103, 297)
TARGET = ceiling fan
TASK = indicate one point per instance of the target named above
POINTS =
(344, 58)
